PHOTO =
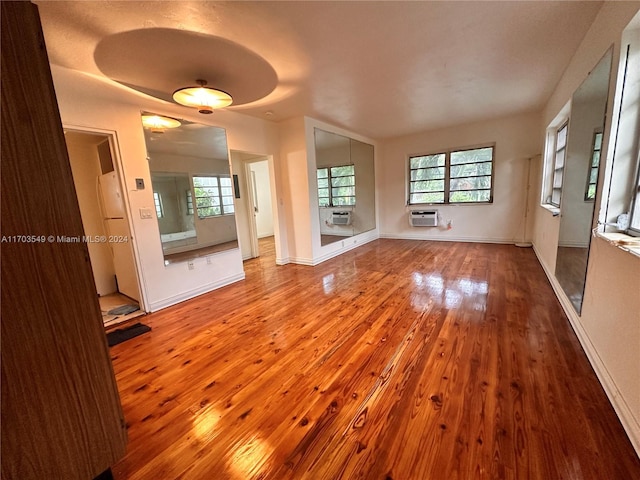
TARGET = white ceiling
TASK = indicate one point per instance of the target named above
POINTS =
(381, 69)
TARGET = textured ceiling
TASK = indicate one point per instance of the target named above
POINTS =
(381, 69)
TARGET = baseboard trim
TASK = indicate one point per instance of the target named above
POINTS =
(189, 294)
(395, 236)
(630, 424)
(283, 261)
(359, 242)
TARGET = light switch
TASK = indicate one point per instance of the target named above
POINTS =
(139, 183)
(146, 213)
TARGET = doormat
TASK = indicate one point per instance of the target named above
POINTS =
(123, 310)
(124, 334)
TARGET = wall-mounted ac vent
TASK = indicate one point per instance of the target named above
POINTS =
(423, 218)
(341, 218)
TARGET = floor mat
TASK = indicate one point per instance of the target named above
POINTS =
(123, 310)
(124, 334)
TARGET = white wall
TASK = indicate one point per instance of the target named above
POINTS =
(516, 139)
(264, 216)
(85, 166)
(293, 155)
(87, 102)
(609, 327)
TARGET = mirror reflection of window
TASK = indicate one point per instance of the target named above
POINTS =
(189, 202)
(193, 190)
(345, 180)
(577, 159)
(337, 186)
(214, 196)
(157, 200)
(592, 179)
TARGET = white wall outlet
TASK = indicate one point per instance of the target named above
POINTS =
(208, 260)
(191, 265)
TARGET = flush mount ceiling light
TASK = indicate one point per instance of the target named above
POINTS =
(205, 99)
(158, 123)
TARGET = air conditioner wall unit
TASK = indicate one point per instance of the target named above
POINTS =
(423, 218)
(341, 218)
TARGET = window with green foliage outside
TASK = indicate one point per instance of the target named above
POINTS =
(455, 176)
(214, 196)
(336, 186)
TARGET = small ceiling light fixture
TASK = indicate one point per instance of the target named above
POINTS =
(158, 123)
(204, 98)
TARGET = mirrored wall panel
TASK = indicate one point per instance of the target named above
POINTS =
(192, 188)
(346, 186)
(580, 177)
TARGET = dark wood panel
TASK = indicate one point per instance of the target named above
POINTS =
(61, 416)
(397, 360)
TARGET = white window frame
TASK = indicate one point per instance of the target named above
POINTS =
(634, 211)
(594, 165)
(330, 203)
(157, 201)
(225, 208)
(189, 196)
(557, 176)
(448, 179)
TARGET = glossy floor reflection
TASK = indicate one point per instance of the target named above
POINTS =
(397, 360)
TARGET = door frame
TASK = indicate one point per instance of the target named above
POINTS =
(118, 168)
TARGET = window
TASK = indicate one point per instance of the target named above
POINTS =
(214, 196)
(457, 176)
(336, 186)
(634, 217)
(189, 202)
(558, 164)
(592, 178)
(158, 203)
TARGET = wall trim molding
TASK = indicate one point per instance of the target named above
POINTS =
(358, 242)
(301, 261)
(625, 414)
(283, 261)
(189, 294)
(395, 236)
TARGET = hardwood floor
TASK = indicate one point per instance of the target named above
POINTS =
(397, 360)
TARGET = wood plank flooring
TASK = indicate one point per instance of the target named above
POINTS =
(398, 360)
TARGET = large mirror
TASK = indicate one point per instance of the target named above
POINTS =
(346, 186)
(580, 178)
(193, 189)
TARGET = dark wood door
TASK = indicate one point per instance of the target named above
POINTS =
(61, 413)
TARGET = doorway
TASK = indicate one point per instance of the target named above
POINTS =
(255, 208)
(106, 225)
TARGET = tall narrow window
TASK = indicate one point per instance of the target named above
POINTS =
(470, 175)
(158, 203)
(343, 185)
(323, 187)
(427, 178)
(455, 176)
(336, 186)
(634, 217)
(558, 164)
(189, 202)
(592, 178)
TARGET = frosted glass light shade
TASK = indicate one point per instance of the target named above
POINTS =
(205, 99)
(158, 123)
